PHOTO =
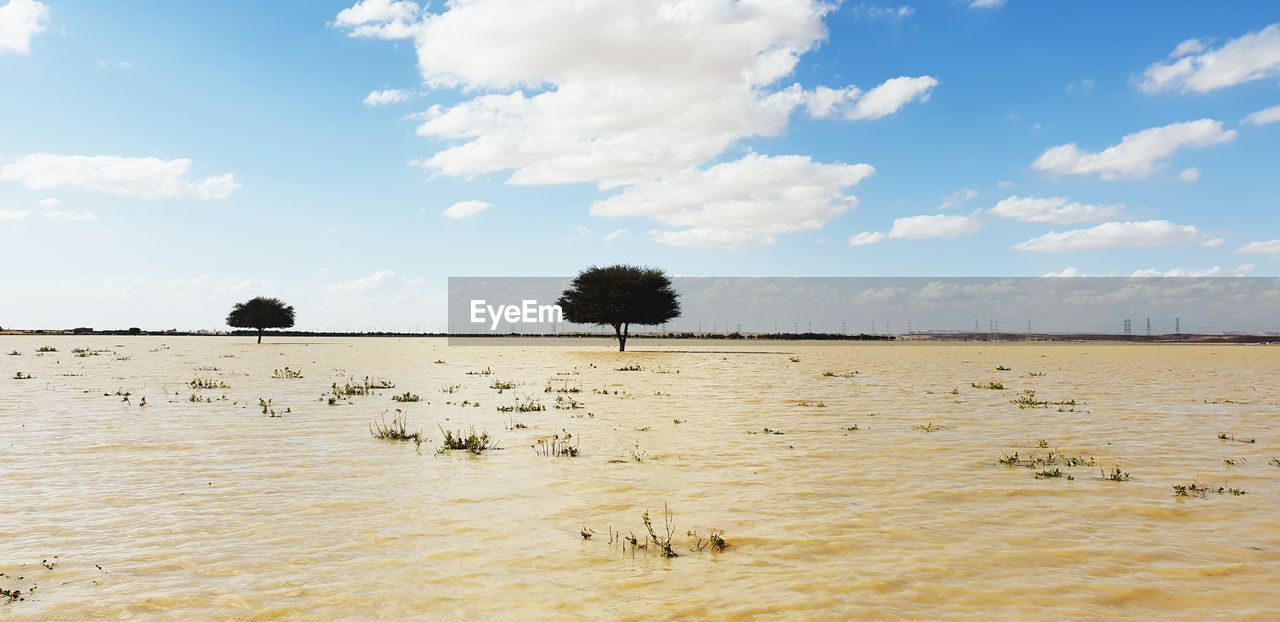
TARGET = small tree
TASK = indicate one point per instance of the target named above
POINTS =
(620, 296)
(261, 314)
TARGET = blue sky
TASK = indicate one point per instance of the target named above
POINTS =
(161, 160)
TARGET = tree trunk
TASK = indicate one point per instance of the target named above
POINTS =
(622, 337)
(259, 335)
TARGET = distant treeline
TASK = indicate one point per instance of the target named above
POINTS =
(804, 336)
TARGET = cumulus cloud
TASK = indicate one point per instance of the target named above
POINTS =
(1264, 116)
(148, 178)
(1137, 155)
(48, 203)
(465, 209)
(1269, 247)
(746, 202)
(921, 228)
(1189, 175)
(613, 93)
(1115, 234)
(1193, 68)
(1056, 210)
(385, 97)
(20, 22)
(14, 215)
(986, 4)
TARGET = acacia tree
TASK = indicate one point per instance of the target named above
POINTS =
(620, 296)
(261, 314)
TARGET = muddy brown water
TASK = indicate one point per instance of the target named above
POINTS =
(212, 510)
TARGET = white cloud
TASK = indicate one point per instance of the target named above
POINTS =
(614, 93)
(1065, 273)
(1082, 87)
(149, 178)
(1057, 210)
(72, 215)
(1180, 272)
(1189, 175)
(1264, 116)
(881, 101)
(48, 203)
(934, 226)
(958, 198)
(986, 4)
(385, 97)
(1269, 247)
(887, 13)
(745, 202)
(577, 233)
(617, 233)
(13, 215)
(466, 209)
(20, 22)
(1137, 155)
(381, 19)
(865, 238)
(1114, 234)
(382, 280)
(1194, 69)
(921, 228)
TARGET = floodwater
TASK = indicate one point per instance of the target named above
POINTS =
(213, 510)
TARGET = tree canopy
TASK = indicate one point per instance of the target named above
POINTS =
(261, 313)
(620, 296)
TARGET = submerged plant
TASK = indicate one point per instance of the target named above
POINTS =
(395, 430)
(201, 383)
(470, 442)
(663, 543)
(929, 427)
(1224, 437)
(714, 541)
(1055, 472)
(286, 373)
(528, 405)
(559, 445)
(1115, 475)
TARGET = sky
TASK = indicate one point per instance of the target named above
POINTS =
(160, 161)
